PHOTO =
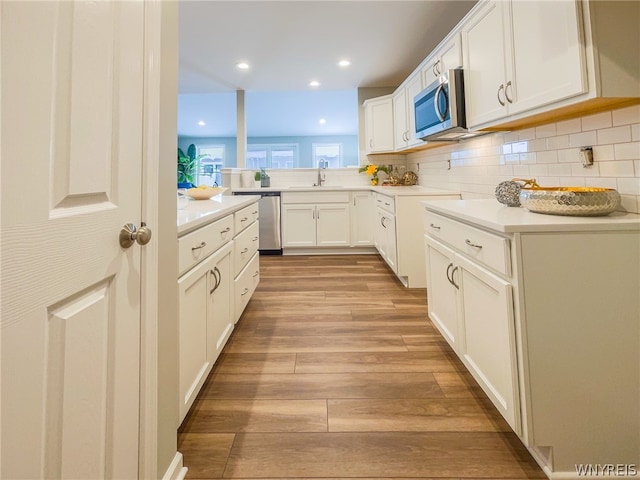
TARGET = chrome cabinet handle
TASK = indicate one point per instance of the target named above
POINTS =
(244, 292)
(217, 277)
(382, 222)
(471, 244)
(449, 267)
(255, 212)
(226, 230)
(500, 88)
(257, 273)
(244, 219)
(506, 92)
(453, 282)
(434, 226)
(244, 250)
(255, 239)
(202, 245)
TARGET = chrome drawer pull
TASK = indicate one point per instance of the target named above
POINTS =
(244, 250)
(244, 219)
(202, 245)
(257, 273)
(226, 230)
(434, 226)
(255, 239)
(244, 292)
(471, 244)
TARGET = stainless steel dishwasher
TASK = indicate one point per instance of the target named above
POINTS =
(268, 221)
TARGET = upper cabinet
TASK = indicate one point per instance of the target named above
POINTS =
(378, 117)
(521, 55)
(403, 116)
(446, 57)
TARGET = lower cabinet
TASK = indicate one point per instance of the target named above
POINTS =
(362, 218)
(385, 238)
(316, 219)
(473, 309)
(206, 321)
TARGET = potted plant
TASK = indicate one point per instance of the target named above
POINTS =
(257, 177)
(188, 166)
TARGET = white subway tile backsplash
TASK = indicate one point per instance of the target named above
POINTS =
(616, 169)
(569, 126)
(626, 116)
(603, 153)
(583, 139)
(629, 186)
(614, 135)
(549, 153)
(545, 131)
(597, 121)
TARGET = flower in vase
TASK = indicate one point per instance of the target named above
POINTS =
(372, 171)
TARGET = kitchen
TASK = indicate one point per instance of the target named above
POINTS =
(548, 151)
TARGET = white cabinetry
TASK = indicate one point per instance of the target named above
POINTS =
(473, 308)
(362, 218)
(204, 295)
(316, 219)
(385, 230)
(212, 261)
(543, 311)
(246, 264)
(378, 115)
(520, 55)
(403, 115)
(446, 57)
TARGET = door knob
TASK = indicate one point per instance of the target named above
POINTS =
(129, 234)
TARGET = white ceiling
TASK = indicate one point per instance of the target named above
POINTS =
(289, 43)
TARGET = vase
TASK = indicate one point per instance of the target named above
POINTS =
(374, 181)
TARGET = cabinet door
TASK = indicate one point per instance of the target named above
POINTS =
(484, 52)
(413, 88)
(451, 54)
(220, 318)
(332, 225)
(362, 219)
(379, 125)
(547, 54)
(400, 119)
(194, 364)
(385, 238)
(442, 294)
(488, 346)
(298, 225)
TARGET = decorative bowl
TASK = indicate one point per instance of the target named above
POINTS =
(205, 193)
(576, 201)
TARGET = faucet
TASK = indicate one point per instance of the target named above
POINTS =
(320, 181)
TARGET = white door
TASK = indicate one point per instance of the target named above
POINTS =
(71, 148)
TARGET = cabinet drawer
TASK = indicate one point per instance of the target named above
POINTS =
(316, 197)
(487, 248)
(196, 246)
(245, 217)
(386, 203)
(246, 283)
(246, 244)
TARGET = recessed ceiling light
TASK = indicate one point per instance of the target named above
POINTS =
(314, 83)
(242, 65)
(344, 63)
(322, 121)
(201, 123)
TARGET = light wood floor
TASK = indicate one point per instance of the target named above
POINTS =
(335, 371)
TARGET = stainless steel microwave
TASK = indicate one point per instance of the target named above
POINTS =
(439, 109)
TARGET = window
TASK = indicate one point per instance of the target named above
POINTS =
(210, 164)
(328, 155)
(272, 156)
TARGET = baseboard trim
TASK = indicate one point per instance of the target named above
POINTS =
(176, 470)
(329, 251)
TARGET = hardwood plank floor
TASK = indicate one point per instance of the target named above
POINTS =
(334, 371)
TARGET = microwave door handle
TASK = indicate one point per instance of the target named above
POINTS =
(436, 104)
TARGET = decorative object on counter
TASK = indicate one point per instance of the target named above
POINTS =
(574, 201)
(372, 171)
(183, 199)
(204, 192)
(257, 179)
(265, 180)
(508, 193)
(188, 166)
(393, 179)
(409, 178)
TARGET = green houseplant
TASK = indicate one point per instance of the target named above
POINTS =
(188, 165)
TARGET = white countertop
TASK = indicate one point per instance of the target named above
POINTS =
(391, 191)
(201, 212)
(494, 216)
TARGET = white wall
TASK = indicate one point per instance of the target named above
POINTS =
(548, 153)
